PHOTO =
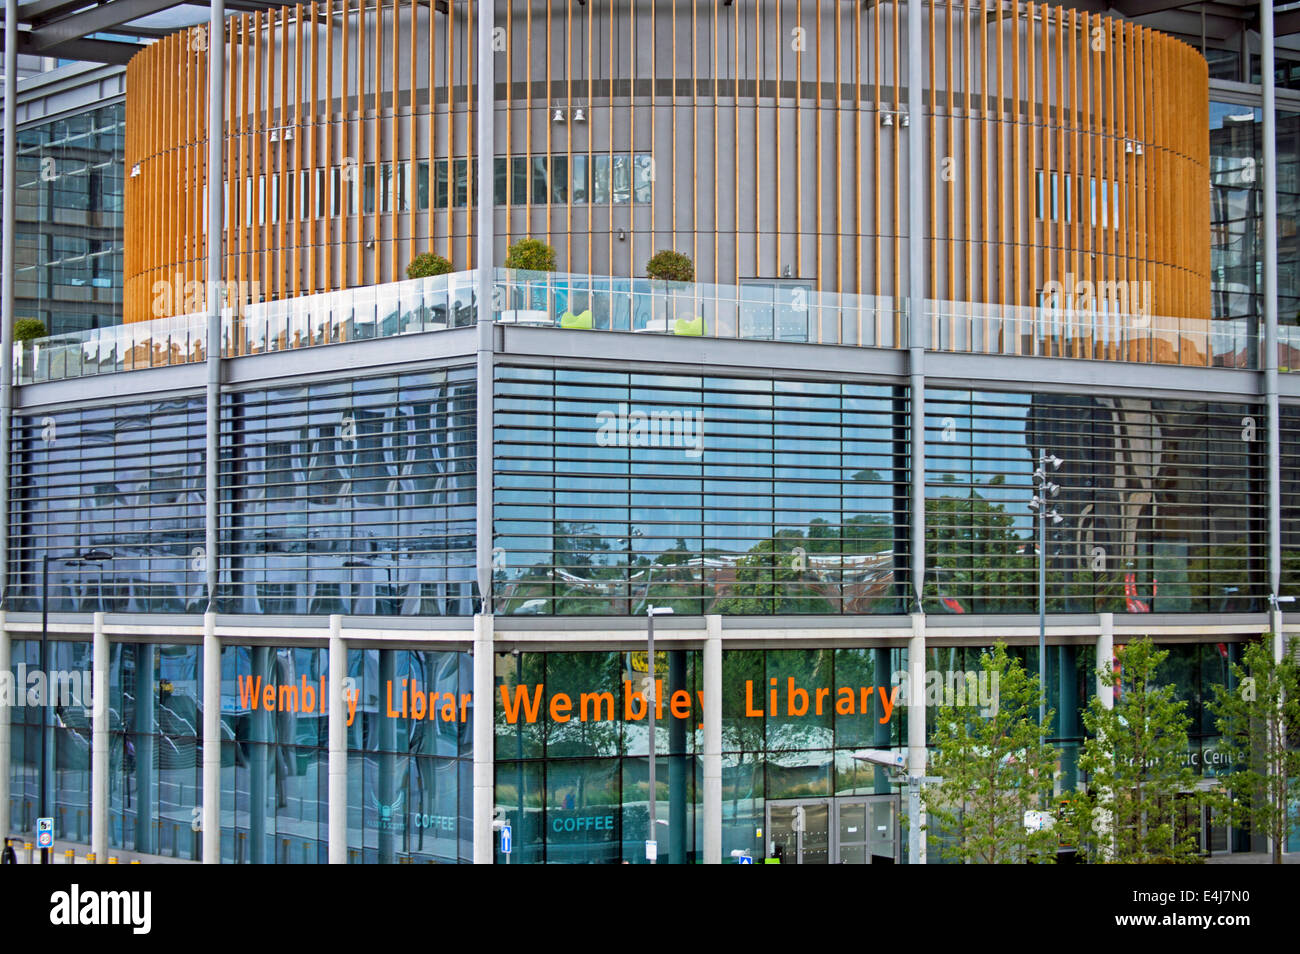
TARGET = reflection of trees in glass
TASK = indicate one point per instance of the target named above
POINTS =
(979, 562)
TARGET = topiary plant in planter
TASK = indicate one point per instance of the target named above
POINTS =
(531, 255)
(25, 329)
(427, 265)
(669, 266)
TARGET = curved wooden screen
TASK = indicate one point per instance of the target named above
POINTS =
(764, 139)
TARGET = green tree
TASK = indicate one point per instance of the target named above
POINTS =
(670, 266)
(1135, 759)
(1257, 717)
(427, 265)
(531, 255)
(25, 329)
(995, 768)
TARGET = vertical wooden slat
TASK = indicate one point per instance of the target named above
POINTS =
(431, 152)
(952, 245)
(716, 70)
(695, 141)
(1018, 174)
(877, 271)
(568, 147)
(1086, 333)
(327, 279)
(258, 233)
(968, 174)
(1002, 207)
(293, 175)
(374, 229)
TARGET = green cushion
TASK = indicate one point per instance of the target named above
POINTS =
(689, 326)
(580, 321)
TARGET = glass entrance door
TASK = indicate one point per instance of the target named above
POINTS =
(798, 831)
(866, 830)
(856, 830)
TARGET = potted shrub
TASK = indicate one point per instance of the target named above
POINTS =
(532, 255)
(670, 266)
(25, 330)
(428, 265)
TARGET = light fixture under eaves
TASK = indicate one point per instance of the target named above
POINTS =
(579, 116)
(558, 117)
(1128, 145)
(135, 170)
(905, 120)
(1137, 148)
(887, 119)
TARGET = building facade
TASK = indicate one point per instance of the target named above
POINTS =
(756, 451)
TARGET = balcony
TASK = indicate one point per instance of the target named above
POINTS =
(777, 311)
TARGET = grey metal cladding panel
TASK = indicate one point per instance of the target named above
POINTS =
(709, 354)
(943, 369)
(380, 354)
(101, 388)
(377, 354)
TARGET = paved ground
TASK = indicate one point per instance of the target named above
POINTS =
(1252, 858)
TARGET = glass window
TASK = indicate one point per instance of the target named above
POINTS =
(581, 182)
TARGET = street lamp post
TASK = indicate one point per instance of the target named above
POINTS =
(90, 556)
(652, 698)
(1040, 504)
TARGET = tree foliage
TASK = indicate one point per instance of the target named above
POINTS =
(1258, 715)
(995, 768)
(531, 255)
(427, 265)
(1143, 805)
(670, 266)
(25, 329)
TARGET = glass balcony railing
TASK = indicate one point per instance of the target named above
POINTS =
(778, 311)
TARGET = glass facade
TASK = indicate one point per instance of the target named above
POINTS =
(409, 756)
(752, 497)
(68, 234)
(345, 497)
(67, 740)
(1163, 504)
(707, 494)
(351, 496)
(125, 479)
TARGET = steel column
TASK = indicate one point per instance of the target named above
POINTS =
(216, 225)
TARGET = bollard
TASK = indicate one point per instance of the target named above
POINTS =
(27, 850)
(239, 848)
(284, 847)
(135, 861)
(112, 859)
(69, 857)
(90, 857)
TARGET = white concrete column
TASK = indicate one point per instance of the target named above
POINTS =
(6, 712)
(1279, 642)
(337, 716)
(713, 741)
(211, 817)
(484, 763)
(1106, 661)
(916, 755)
(99, 742)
